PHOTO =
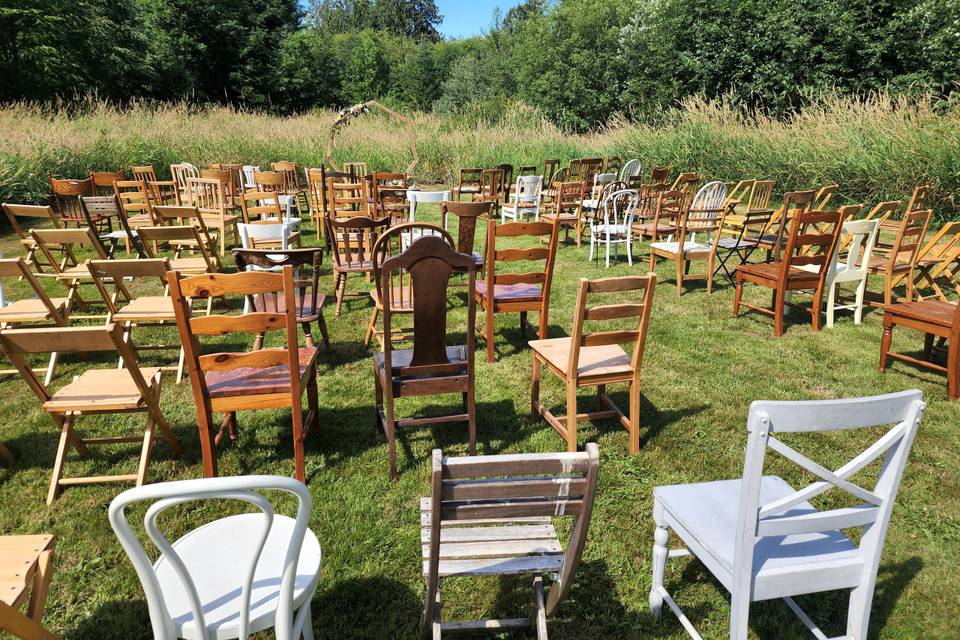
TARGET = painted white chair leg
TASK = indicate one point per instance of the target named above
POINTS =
(831, 303)
(858, 611)
(629, 251)
(661, 536)
(308, 623)
(608, 248)
(858, 312)
(593, 241)
(739, 617)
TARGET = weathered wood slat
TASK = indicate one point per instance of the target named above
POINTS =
(514, 465)
(513, 488)
(253, 322)
(496, 549)
(491, 534)
(499, 566)
(467, 511)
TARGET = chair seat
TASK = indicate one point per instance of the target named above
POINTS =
(193, 263)
(704, 515)
(147, 308)
(18, 560)
(77, 272)
(401, 300)
(674, 247)
(217, 557)
(29, 310)
(492, 547)
(140, 220)
(214, 221)
(604, 360)
(467, 188)
(256, 380)
(590, 203)
(510, 292)
(879, 265)
(400, 358)
(735, 243)
(563, 217)
(355, 266)
(101, 390)
(649, 228)
(797, 278)
(304, 311)
(932, 311)
(613, 229)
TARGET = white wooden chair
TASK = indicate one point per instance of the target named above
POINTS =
(619, 209)
(247, 173)
(631, 169)
(492, 516)
(231, 577)
(594, 202)
(761, 539)
(862, 234)
(527, 196)
(415, 197)
(267, 234)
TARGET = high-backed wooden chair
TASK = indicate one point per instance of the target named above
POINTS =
(351, 245)
(41, 308)
(26, 565)
(567, 208)
(234, 171)
(131, 389)
(493, 187)
(112, 277)
(469, 182)
(316, 198)
(227, 382)
(347, 199)
(99, 206)
(164, 192)
(72, 277)
(936, 319)
(144, 173)
(760, 195)
(801, 268)
(36, 214)
(277, 181)
(501, 292)
(180, 172)
(467, 214)
(306, 272)
(550, 167)
(390, 196)
(596, 358)
(209, 196)
(586, 169)
(772, 238)
(103, 180)
(226, 177)
(492, 516)
(291, 176)
(431, 366)
(66, 199)
(899, 264)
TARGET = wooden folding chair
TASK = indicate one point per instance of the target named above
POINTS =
(316, 198)
(794, 203)
(938, 262)
(135, 201)
(131, 389)
(686, 182)
(69, 240)
(800, 270)
(26, 565)
(278, 182)
(346, 199)
(596, 359)
(228, 382)
(899, 264)
(141, 310)
(502, 292)
(99, 206)
(351, 244)
(177, 240)
(34, 213)
(431, 366)
(180, 216)
(66, 199)
(492, 516)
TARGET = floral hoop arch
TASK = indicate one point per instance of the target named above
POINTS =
(344, 116)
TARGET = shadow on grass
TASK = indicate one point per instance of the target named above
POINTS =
(116, 620)
(367, 607)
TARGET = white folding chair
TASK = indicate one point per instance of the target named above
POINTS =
(231, 577)
(527, 196)
(863, 235)
(619, 209)
(761, 539)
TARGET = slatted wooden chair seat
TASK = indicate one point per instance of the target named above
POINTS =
(72, 277)
(933, 311)
(190, 264)
(797, 277)
(103, 390)
(25, 570)
(259, 380)
(31, 310)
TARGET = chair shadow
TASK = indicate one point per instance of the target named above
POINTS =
(366, 607)
(514, 336)
(116, 620)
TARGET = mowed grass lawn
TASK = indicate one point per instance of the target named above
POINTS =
(701, 371)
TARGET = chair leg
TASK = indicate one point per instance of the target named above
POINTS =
(207, 446)
(339, 286)
(470, 407)
(540, 614)
(858, 610)
(65, 437)
(885, 343)
(299, 462)
(661, 535)
(737, 296)
(679, 276)
(953, 370)
(571, 417)
(307, 630)
(739, 616)
(322, 323)
(372, 327)
(831, 303)
(41, 584)
(858, 311)
(634, 417)
(313, 401)
(21, 626)
(145, 451)
(51, 368)
(779, 298)
(534, 389)
(489, 335)
(390, 428)
(817, 305)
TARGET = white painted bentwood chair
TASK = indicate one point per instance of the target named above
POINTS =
(526, 199)
(231, 577)
(631, 169)
(762, 539)
(619, 209)
(862, 235)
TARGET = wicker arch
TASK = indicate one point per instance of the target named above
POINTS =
(344, 117)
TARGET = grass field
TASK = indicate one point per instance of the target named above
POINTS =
(701, 371)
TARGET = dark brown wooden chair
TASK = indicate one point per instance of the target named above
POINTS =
(432, 366)
(469, 182)
(935, 319)
(227, 382)
(501, 292)
(772, 238)
(659, 174)
(351, 245)
(66, 201)
(306, 272)
(390, 196)
(467, 215)
(567, 208)
(810, 246)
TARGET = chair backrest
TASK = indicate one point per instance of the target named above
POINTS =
(550, 167)
(513, 486)
(179, 173)
(165, 192)
(269, 181)
(494, 257)
(346, 199)
(467, 214)
(352, 239)
(265, 233)
(223, 175)
(18, 268)
(259, 206)
(117, 273)
(507, 169)
(600, 180)
(824, 194)
(859, 237)
(243, 489)
(394, 241)
(246, 175)
(316, 192)
(49, 240)
(291, 176)
(741, 191)
(103, 180)
(144, 173)
(470, 177)
(356, 169)
(612, 164)
(244, 283)
(794, 203)
(586, 169)
(791, 514)
(415, 196)
(659, 174)
(528, 190)
(709, 198)
(235, 183)
(208, 195)
(66, 196)
(648, 197)
(919, 198)
(812, 241)
(134, 197)
(32, 211)
(390, 195)
(175, 216)
(493, 183)
(428, 266)
(620, 207)
(306, 272)
(108, 206)
(760, 195)
(527, 170)
(671, 210)
(631, 169)
(193, 235)
(913, 227)
(686, 182)
(569, 198)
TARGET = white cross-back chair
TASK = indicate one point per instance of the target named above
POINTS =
(630, 170)
(231, 577)
(762, 539)
(863, 235)
(526, 199)
(619, 209)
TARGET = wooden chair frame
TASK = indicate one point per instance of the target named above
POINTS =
(66, 199)
(893, 267)
(50, 240)
(935, 319)
(209, 196)
(567, 209)
(201, 242)
(33, 212)
(351, 245)
(938, 260)
(99, 206)
(28, 563)
(103, 180)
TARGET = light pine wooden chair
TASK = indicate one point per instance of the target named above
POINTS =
(493, 516)
(72, 277)
(209, 196)
(937, 320)
(176, 240)
(762, 539)
(938, 264)
(901, 260)
(144, 173)
(859, 237)
(234, 576)
(597, 358)
(204, 243)
(131, 389)
(26, 566)
(36, 214)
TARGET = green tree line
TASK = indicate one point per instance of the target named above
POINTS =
(579, 62)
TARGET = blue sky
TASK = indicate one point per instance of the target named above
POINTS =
(463, 18)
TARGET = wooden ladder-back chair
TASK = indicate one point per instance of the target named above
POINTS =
(794, 203)
(800, 270)
(597, 358)
(938, 262)
(99, 206)
(431, 366)
(566, 210)
(670, 207)
(469, 182)
(209, 196)
(142, 310)
(239, 381)
(493, 516)
(399, 286)
(164, 192)
(180, 173)
(130, 389)
(103, 180)
(66, 200)
(36, 214)
(49, 240)
(235, 181)
(347, 199)
(176, 240)
(226, 177)
(514, 292)
(659, 174)
(467, 215)
(316, 198)
(351, 245)
(263, 207)
(390, 196)
(27, 566)
(900, 263)
(29, 311)
(763, 540)
(919, 199)
(143, 173)
(291, 176)
(306, 272)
